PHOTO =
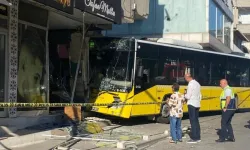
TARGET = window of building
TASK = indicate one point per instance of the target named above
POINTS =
(32, 75)
(227, 31)
(212, 20)
(219, 24)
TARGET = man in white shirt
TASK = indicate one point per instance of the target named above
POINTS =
(193, 96)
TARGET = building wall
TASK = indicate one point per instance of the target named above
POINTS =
(242, 3)
(220, 23)
(166, 16)
(244, 16)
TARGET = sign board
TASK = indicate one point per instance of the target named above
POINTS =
(62, 5)
(3, 10)
(107, 9)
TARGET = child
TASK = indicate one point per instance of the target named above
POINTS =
(176, 113)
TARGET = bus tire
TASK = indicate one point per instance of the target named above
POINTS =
(163, 120)
(164, 115)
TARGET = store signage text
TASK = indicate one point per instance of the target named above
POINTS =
(63, 5)
(107, 9)
(101, 6)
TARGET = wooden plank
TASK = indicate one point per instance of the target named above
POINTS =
(73, 112)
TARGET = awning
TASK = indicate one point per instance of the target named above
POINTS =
(107, 9)
(179, 43)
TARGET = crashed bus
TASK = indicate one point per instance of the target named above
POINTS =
(144, 71)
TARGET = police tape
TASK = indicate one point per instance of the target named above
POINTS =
(31, 105)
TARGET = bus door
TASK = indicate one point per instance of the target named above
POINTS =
(145, 87)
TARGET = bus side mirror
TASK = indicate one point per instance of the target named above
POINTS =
(139, 71)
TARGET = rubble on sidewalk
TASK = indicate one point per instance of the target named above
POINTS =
(96, 131)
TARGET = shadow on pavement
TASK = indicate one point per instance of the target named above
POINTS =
(248, 125)
(218, 131)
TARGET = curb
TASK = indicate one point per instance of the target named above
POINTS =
(19, 141)
(146, 141)
(143, 144)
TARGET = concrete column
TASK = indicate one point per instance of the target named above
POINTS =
(13, 55)
(236, 16)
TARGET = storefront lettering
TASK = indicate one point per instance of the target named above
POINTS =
(64, 2)
(102, 6)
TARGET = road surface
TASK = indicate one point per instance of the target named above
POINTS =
(209, 126)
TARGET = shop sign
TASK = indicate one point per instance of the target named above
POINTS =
(63, 5)
(109, 9)
(3, 10)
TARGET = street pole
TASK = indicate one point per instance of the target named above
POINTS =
(79, 60)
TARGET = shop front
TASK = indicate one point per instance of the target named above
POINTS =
(25, 47)
(3, 60)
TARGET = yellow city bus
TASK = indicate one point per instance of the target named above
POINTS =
(143, 71)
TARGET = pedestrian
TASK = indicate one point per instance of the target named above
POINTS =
(176, 113)
(228, 107)
(193, 97)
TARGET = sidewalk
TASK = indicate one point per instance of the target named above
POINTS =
(13, 137)
(133, 133)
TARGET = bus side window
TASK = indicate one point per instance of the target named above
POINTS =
(187, 60)
(237, 72)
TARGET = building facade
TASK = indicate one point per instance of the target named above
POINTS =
(242, 24)
(25, 26)
(207, 22)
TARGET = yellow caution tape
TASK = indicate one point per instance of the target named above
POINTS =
(22, 105)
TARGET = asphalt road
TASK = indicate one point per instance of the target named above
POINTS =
(209, 126)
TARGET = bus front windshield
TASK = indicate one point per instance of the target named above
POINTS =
(120, 71)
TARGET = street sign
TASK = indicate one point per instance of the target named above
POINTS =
(107, 9)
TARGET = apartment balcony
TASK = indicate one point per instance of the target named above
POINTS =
(244, 28)
(242, 3)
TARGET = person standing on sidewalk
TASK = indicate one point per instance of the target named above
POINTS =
(193, 96)
(228, 107)
(176, 113)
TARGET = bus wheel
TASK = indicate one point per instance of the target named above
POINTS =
(164, 116)
(163, 120)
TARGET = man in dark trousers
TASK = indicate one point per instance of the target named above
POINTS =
(228, 107)
(193, 97)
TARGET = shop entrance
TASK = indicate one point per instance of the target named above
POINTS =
(3, 38)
